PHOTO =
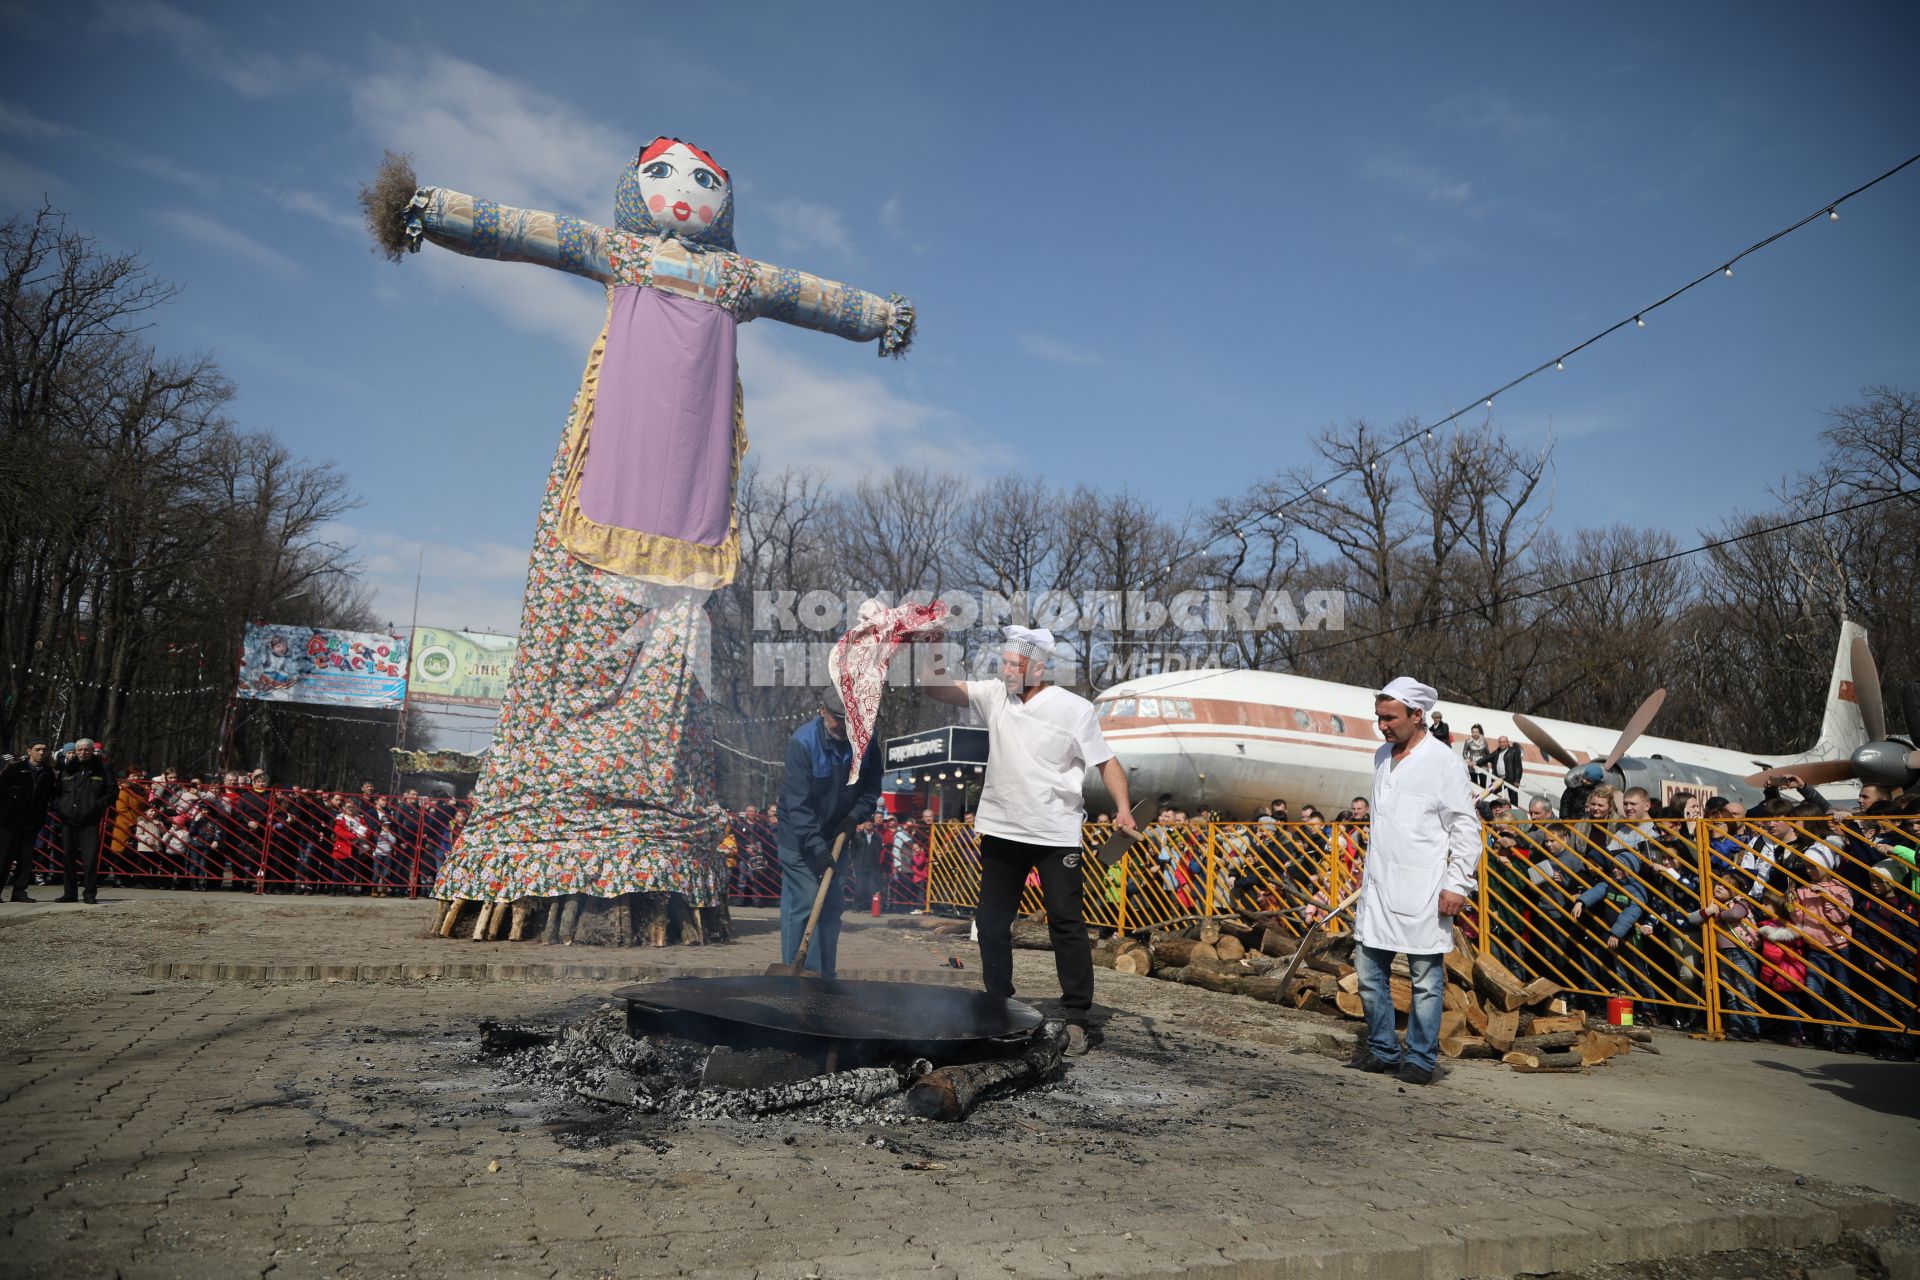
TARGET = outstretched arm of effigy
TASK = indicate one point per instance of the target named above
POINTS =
(483, 229)
(795, 297)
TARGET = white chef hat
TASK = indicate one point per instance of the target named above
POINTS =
(1410, 693)
(1029, 642)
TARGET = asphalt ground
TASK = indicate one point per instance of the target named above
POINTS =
(171, 1113)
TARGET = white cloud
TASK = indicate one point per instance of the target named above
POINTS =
(1490, 111)
(800, 227)
(1041, 347)
(218, 235)
(491, 136)
(18, 122)
(247, 72)
(848, 424)
(893, 217)
(313, 206)
(469, 586)
(1419, 179)
(537, 300)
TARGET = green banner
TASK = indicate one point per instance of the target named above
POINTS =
(467, 668)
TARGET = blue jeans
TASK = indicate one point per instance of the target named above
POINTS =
(1895, 1005)
(1738, 1008)
(798, 885)
(1375, 968)
(1829, 995)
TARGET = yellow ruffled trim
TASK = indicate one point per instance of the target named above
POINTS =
(630, 553)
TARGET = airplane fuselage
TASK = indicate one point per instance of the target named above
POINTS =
(1234, 740)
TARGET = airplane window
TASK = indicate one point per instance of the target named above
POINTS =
(1178, 708)
(1339, 725)
(1302, 719)
(1122, 708)
(1149, 706)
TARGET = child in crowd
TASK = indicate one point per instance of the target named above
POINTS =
(1735, 946)
(383, 842)
(1783, 964)
(1822, 910)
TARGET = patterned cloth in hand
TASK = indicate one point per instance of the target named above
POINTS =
(858, 663)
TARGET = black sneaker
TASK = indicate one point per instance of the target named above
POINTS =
(1410, 1074)
(21, 897)
(68, 897)
(1371, 1065)
(91, 901)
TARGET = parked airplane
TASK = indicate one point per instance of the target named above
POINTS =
(1234, 739)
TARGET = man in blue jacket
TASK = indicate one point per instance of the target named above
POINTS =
(817, 802)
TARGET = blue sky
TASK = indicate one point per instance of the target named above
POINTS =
(1151, 248)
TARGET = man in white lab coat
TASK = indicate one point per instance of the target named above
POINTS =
(1419, 872)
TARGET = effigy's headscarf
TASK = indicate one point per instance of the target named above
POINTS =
(630, 212)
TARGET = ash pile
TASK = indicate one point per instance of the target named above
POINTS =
(600, 1063)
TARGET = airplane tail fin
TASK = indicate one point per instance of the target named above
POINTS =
(1842, 729)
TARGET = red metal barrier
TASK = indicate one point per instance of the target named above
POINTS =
(281, 840)
(303, 840)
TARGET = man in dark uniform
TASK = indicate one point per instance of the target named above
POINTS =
(820, 798)
(85, 792)
(26, 792)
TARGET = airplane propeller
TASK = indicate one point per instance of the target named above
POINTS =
(1544, 740)
(1883, 760)
(1637, 725)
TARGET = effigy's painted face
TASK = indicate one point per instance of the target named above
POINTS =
(682, 192)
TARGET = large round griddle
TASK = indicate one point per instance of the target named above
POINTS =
(875, 1017)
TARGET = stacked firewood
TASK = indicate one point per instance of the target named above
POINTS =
(1489, 1012)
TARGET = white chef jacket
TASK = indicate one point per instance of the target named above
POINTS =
(1424, 837)
(1038, 753)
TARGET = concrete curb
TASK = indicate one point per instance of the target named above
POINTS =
(216, 971)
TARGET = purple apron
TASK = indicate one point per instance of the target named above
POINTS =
(660, 454)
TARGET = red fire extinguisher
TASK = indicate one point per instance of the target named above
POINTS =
(876, 904)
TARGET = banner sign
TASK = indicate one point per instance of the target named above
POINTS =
(334, 668)
(464, 667)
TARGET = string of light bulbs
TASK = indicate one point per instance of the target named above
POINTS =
(1636, 319)
(1600, 576)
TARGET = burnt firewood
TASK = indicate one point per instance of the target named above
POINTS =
(951, 1092)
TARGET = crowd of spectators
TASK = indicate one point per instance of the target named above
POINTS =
(885, 855)
(1816, 917)
(228, 831)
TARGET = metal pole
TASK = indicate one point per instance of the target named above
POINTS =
(1709, 935)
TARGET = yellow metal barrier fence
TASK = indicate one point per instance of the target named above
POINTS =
(1729, 925)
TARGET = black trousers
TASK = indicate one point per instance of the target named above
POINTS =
(81, 847)
(1004, 865)
(16, 847)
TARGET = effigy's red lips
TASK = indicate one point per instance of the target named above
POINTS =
(682, 210)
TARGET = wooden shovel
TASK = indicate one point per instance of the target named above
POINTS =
(799, 965)
(1311, 936)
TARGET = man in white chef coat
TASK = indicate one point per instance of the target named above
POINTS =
(1419, 873)
(1041, 740)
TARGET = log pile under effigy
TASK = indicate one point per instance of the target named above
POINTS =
(629, 920)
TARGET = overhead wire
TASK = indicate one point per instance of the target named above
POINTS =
(1636, 318)
(1587, 579)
